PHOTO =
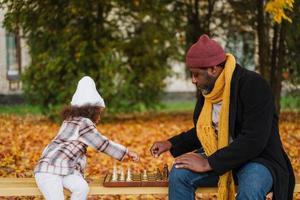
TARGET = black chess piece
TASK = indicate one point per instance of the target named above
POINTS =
(165, 174)
(158, 175)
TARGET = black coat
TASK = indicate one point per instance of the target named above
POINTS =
(253, 125)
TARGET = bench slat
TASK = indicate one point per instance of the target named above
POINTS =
(27, 187)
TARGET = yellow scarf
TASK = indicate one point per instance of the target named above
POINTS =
(209, 140)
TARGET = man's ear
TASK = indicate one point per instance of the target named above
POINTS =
(214, 71)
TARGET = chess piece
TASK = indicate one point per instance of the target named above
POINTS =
(158, 175)
(129, 177)
(145, 176)
(115, 173)
(122, 175)
(165, 174)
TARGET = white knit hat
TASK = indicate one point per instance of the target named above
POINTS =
(87, 94)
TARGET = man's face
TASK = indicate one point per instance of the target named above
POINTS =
(204, 79)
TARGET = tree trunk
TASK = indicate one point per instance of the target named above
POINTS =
(263, 41)
(277, 78)
(274, 57)
(193, 30)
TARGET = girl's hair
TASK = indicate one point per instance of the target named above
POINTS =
(88, 111)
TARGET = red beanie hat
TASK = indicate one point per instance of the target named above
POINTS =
(205, 53)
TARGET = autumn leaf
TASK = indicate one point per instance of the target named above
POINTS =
(278, 9)
(22, 140)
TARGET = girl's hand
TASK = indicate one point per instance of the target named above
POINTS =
(133, 156)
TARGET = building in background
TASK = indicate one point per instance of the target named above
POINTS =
(13, 60)
(179, 86)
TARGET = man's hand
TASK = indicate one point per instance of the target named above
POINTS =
(160, 147)
(193, 162)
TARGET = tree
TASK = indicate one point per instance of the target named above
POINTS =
(111, 41)
(278, 53)
(292, 63)
(271, 37)
(149, 45)
(194, 18)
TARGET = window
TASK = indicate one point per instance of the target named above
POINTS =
(13, 60)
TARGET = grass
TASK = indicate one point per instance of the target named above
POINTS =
(287, 103)
(173, 106)
(22, 109)
(164, 107)
(291, 102)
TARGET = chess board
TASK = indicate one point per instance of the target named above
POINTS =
(137, 181)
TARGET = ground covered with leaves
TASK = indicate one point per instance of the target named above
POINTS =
(22, 139)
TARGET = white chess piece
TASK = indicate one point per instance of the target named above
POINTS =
(145, 176)
(128, 178)
(115, 173)
(122, 176)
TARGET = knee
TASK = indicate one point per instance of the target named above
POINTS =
(81, 188)
(178, 176)
(84, 189)
(253, 189)
(254, 182)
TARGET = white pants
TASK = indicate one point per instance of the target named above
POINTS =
(52, 185)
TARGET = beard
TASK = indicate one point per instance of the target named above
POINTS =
(208, 86)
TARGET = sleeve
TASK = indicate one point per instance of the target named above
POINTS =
(89, 135)
(184, 142)
(257, 116)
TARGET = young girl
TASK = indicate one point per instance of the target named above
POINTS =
(63, 161)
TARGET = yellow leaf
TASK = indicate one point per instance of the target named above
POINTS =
(277, 8)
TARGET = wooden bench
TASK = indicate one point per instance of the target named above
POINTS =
(27, 187)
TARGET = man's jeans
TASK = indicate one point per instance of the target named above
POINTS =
(254, 182)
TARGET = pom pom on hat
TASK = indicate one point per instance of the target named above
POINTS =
(205, 53)
(87, 94)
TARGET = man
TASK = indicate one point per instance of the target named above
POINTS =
(235, 133)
